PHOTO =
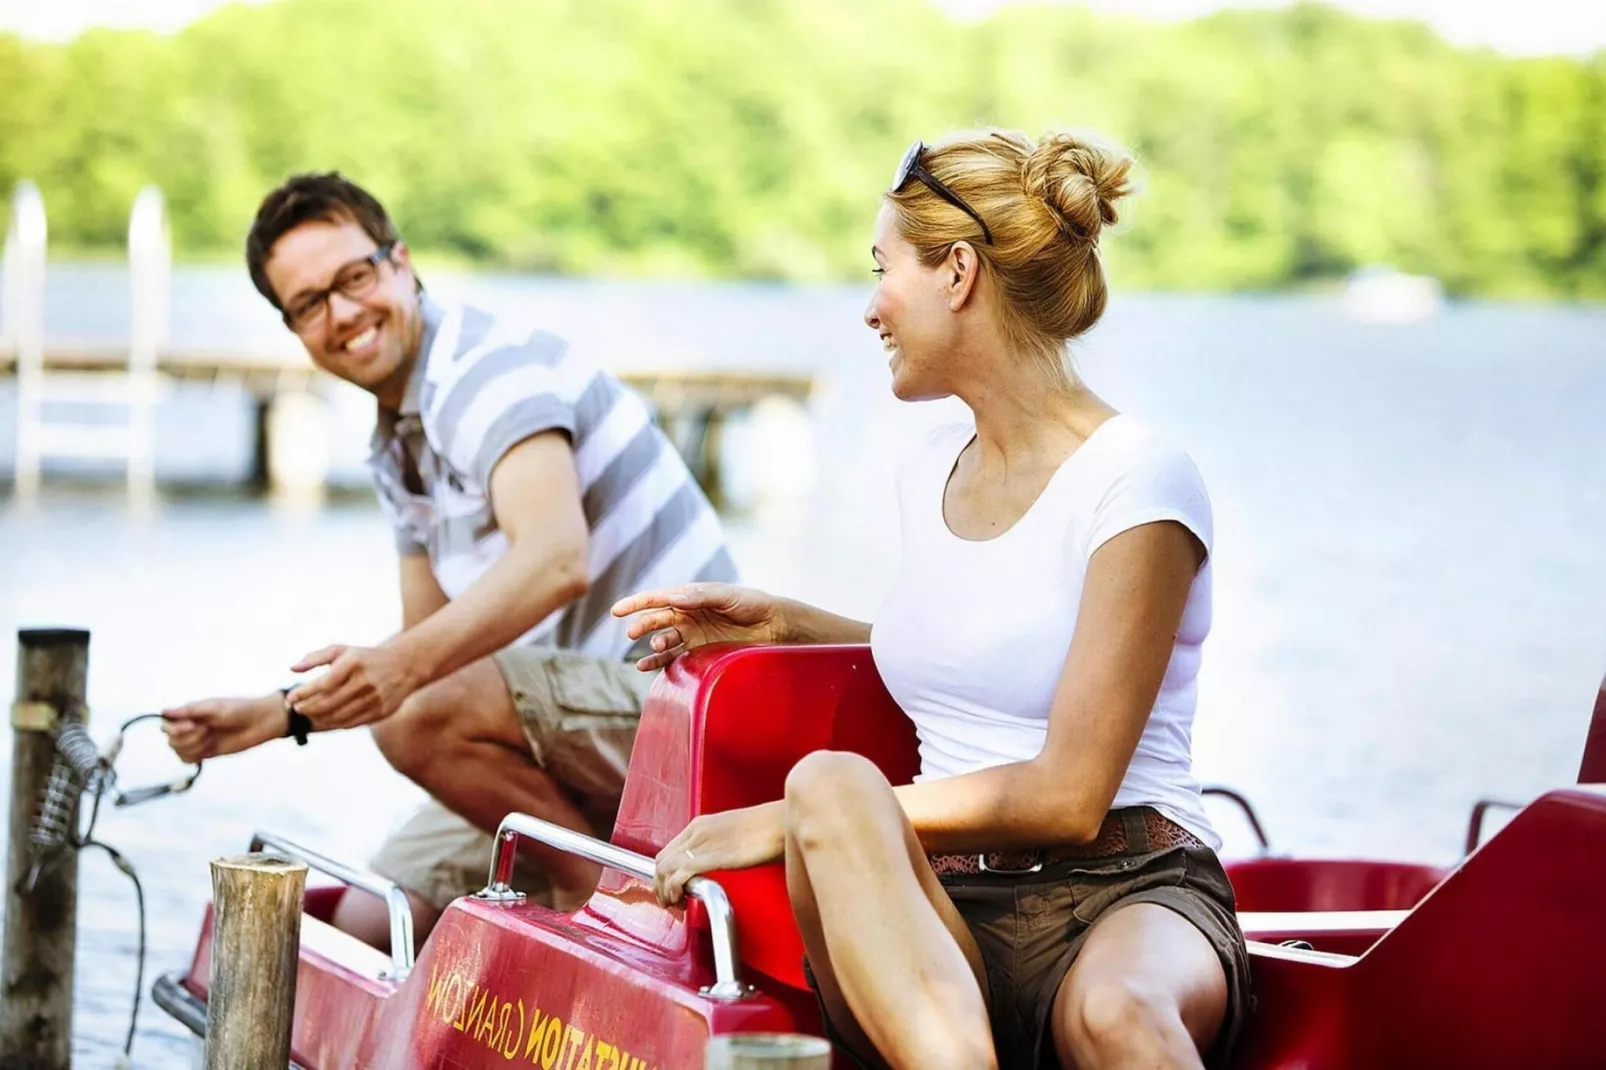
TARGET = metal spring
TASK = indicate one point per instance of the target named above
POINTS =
(79, 767)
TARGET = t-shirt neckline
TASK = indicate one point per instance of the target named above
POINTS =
(1064, 465)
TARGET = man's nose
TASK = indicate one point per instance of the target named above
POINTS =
(342, 309)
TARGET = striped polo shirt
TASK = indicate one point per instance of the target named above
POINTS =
(481, 385)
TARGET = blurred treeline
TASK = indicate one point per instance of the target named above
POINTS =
(751, 137)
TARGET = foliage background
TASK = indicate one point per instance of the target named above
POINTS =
(750, 138)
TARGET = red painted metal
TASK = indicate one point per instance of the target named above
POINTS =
(1497, 964)
(1592, 770)
(1500, 966)
(1271, 882)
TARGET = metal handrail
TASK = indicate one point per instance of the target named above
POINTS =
(395, 899)
(1248, 812)
(1480, 810)
(721, 918)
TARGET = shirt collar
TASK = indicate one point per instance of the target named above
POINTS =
(386, 420)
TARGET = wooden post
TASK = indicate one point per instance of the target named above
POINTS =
(767, 1051)
(36, 969)
(256, 946)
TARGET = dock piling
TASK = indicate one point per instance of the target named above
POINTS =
(41, 916)
(256, 946)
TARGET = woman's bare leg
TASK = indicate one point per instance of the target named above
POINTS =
(1147, 990)
(897, 967)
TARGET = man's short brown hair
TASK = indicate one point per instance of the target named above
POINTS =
(327, 196)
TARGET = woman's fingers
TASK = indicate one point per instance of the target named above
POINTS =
(635, 603)
(652, 622)
(653, 662)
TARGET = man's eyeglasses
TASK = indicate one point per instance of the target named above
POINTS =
(354, 279)
(911, 167)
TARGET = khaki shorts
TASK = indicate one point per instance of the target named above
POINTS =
(579, 715)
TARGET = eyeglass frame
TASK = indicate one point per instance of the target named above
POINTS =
(911, 167)
(319, 299)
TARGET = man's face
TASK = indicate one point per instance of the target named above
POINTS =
(367, 330)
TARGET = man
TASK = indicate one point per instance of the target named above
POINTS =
(528, 491)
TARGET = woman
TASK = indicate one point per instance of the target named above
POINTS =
(1047, 887)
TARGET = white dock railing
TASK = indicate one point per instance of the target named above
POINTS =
(130, 393)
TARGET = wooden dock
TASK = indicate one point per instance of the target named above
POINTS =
(691, 405)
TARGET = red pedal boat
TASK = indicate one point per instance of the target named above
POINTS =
(1496, 962)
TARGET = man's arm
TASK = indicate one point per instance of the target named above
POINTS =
(421, 592)
(535, 497)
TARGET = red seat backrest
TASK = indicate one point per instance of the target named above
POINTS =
(1500, 966)
(722, 728)
(725, 724)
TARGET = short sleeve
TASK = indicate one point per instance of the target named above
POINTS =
(1157, 481)
(504, 392)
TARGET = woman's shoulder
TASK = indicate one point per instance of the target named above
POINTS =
(1141, 474)
(1128, 446)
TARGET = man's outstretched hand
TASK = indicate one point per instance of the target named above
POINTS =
(363, 684)
(217, 726)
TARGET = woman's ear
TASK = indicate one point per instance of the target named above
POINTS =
(960, 269)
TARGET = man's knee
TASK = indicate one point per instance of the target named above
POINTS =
(414, 736)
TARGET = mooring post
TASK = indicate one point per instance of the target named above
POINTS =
(36, 966)
(767, 1051)
(256, 899)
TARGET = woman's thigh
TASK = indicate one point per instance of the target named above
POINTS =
(1149, 954)
(903, 883)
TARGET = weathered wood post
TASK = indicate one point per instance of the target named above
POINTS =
(36, 967)
(256, 945)
(767, 1051)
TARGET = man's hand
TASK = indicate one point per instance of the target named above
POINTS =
(217, 726)
(364, 684)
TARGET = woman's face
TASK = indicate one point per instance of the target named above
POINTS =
(911, 311)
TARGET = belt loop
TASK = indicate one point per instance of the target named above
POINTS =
(1137, 830)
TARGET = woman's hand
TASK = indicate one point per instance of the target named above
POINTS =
(735, 839)
(697, 614)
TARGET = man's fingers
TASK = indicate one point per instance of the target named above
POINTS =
(318, 657)
(325, 701)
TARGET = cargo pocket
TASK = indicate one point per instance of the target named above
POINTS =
(584, 735)
(1098, 888)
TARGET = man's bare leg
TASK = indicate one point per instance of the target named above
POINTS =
(460, 740)
(368, 918)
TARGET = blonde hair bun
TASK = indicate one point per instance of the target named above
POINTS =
(1081, 178)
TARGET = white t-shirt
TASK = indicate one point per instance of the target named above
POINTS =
(973, 636)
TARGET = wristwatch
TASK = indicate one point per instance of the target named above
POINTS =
(298, 724)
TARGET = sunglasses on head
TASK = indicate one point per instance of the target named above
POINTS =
(911, 167)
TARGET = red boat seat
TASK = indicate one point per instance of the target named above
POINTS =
(1499, 966)
(722, 728)
(1269, 882)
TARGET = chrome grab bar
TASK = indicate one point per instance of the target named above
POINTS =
(721, 918)
(1248, 812)
(395, 899)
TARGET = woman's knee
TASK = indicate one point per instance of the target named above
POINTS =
(833, 797)
(1114, 1017)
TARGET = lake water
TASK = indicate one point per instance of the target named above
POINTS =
(1411, 589)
